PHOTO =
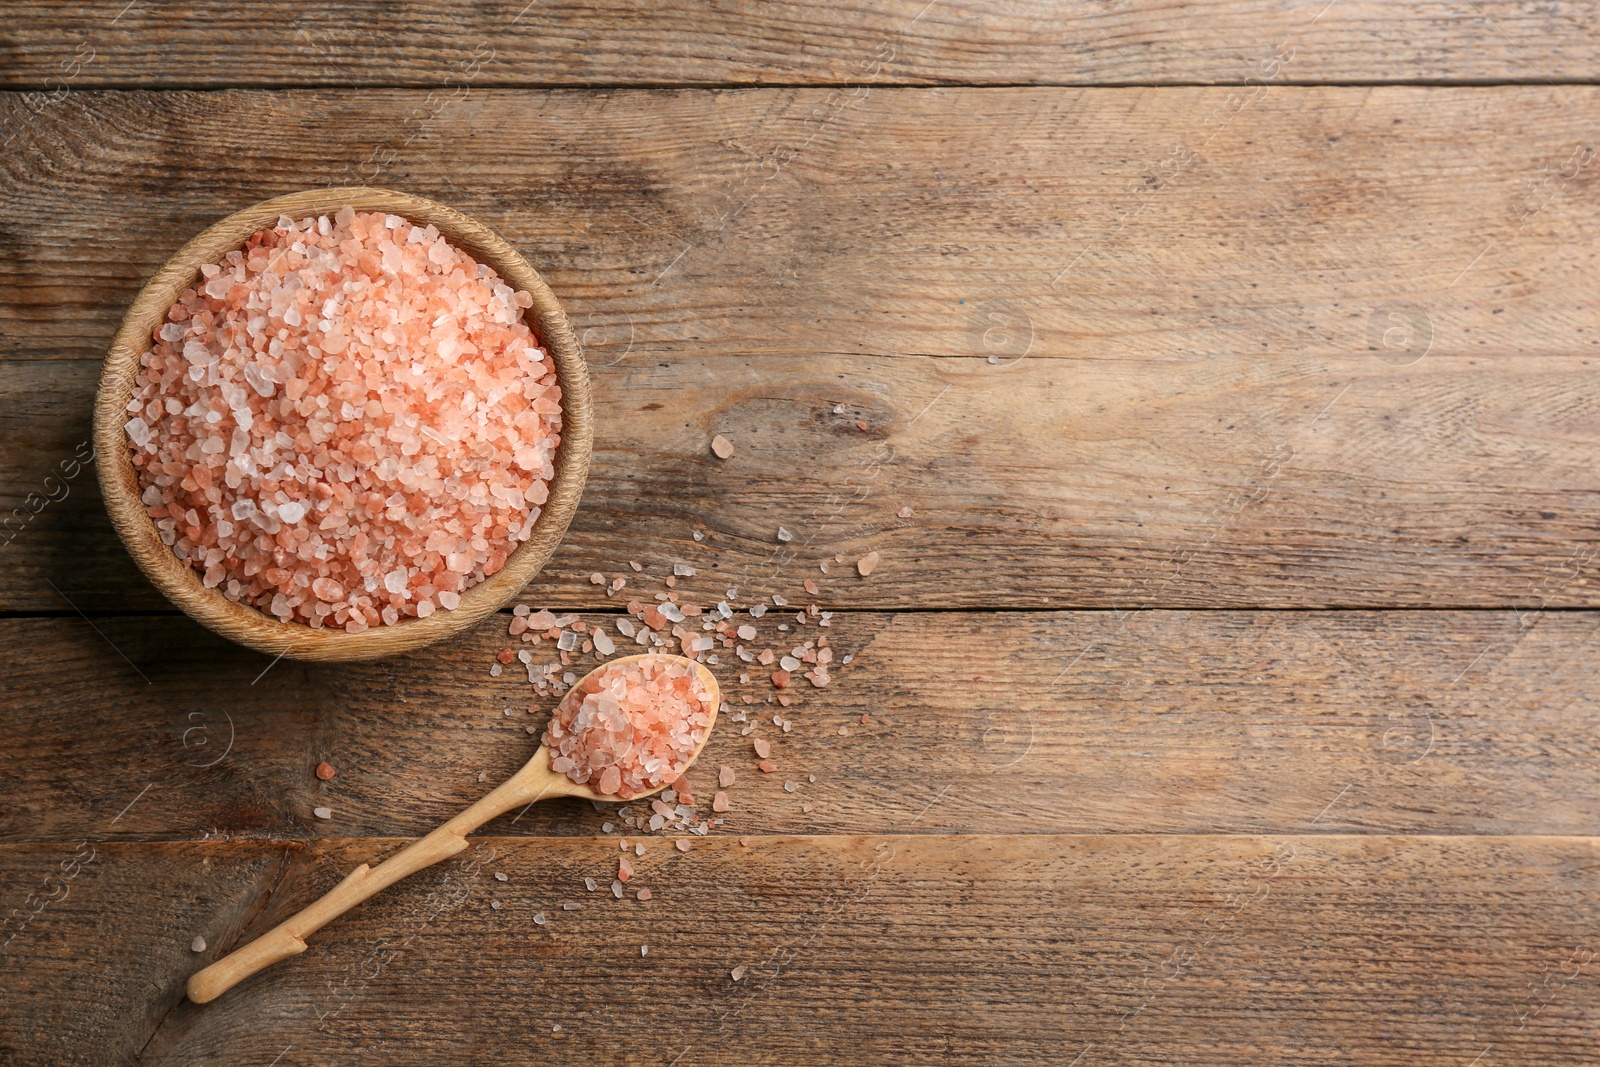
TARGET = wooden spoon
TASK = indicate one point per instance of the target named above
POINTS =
(536, 781)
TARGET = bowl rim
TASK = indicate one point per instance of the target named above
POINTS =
(181, 584)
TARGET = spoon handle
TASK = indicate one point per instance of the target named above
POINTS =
(288, 938)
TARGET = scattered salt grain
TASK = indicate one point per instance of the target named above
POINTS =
(198, 944)
(790, 787)
(683, 570)
(603, 643)
(495, 904)
(867, 564)
(905, 512)
(322, 813)
(738, 973)
(719, 802)
(590, 884)
(539, 918)
(644, 950)
(721, 446)
(571, 907)
(683, 844)
(725, 776)
(501, 876)
(762, 746)
(784, 535)
(644, 894)
(325, 771)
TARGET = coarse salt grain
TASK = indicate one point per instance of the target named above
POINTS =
(345, 422)
(631, 727)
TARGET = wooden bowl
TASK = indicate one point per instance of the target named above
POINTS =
(119, 482)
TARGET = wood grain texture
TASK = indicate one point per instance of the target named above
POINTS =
(1246, 346)
(715, 42)
(1208, 407)
(889, 949)
(1009, 722)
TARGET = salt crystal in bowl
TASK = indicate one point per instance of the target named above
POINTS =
(200, 591)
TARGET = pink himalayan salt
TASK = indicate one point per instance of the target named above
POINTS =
(346, 422)
(630, 727)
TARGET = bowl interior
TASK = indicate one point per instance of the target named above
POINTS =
(181, 583)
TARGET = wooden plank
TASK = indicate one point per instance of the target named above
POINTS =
(1207, 409)
(1177, 485)
(698, 42)
(1012, 722)
(887, 949)
(1132, 225)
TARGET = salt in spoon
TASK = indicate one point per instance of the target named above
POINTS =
(534, 782)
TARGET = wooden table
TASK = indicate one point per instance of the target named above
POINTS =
(1217, 382)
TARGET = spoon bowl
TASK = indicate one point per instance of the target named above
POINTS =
(534, 782)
